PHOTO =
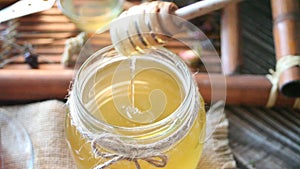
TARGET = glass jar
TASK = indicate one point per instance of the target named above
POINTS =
(138, 112)
(91, 15)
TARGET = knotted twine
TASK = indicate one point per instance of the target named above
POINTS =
(117, 149)
(156, 159)
(282, 64)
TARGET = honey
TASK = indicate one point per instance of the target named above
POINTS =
(145, 102)
(91, 15)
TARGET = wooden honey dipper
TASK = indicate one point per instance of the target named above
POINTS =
(153, 23)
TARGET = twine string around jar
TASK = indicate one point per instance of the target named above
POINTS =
(156, 159)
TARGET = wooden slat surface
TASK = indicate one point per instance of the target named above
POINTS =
(257, 37)
(265, 138)
(47, 32)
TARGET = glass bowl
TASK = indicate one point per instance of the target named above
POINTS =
(91, 15)
(16, 149)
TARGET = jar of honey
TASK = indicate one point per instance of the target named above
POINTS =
(137, 112)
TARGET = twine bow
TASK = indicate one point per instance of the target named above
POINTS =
(130, 153)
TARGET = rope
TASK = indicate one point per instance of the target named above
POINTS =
(282, 64)
(72, 47)
(297, 104)
(8, 39)
(158, 160)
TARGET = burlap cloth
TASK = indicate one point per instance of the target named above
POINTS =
(44, 122)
